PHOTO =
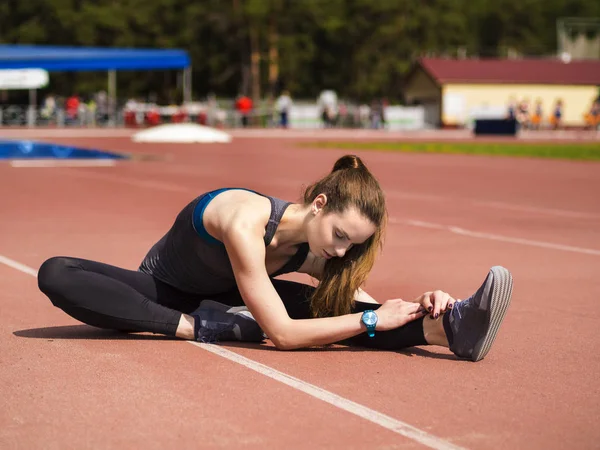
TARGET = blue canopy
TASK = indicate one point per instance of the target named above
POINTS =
(63, 59)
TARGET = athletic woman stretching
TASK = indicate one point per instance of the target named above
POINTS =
(212, 276)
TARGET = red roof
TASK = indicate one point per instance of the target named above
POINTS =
(529, 71)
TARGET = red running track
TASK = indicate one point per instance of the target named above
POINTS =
(67, 385)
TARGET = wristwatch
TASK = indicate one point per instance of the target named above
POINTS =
(369, 318)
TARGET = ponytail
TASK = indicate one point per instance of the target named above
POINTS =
(350, 184)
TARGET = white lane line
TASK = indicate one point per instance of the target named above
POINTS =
(17, 265)
(490, 204)
(548, 245)
(65, 133)
(533, 209)
(496, 237)
(20, 163)
(145, 183)
(357, 409)
(185, 169)
(286, 182)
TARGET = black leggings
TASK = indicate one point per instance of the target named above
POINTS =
(111, 297)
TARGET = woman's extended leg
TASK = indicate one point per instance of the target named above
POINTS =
(106, 296)
(295, 297)
(468, 329)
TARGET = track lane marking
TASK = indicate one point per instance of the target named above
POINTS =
(495, 237)
(27, 163)
(142, 182)
(18, 266)
(383, 420)
(145, 184)
(492, 204)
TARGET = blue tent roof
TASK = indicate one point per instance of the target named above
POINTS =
(64, 59)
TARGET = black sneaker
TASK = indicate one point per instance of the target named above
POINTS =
(474, 322)
(214, 321)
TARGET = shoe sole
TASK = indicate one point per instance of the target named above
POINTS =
(501, 292)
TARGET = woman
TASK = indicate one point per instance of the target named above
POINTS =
(557, 113)
(211, 277)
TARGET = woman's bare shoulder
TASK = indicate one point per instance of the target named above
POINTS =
(236, 208)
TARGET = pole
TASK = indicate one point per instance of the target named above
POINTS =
(112, 97)
(187, 85)
(31, 116)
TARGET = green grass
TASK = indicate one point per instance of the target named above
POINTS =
(573, 151)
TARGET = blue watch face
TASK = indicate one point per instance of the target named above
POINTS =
(369, 318)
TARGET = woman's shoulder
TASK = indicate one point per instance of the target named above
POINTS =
(243, 201)
(235, 208)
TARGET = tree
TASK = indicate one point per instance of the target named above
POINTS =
(360, 48)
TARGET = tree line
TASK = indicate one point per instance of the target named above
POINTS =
(360, 48)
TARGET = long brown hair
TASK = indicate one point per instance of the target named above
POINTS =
(349, 184)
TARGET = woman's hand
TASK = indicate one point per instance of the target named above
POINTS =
(436, 302)
(396, 313)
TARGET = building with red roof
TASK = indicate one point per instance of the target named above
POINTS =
(455, 91)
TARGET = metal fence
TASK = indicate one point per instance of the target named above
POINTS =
(18, 116)
(301, 115)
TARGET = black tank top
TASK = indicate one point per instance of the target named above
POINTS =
(190, 260)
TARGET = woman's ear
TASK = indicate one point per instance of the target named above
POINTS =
(318, 203)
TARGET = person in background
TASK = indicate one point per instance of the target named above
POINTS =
(523, 113)
(130, 112)
(283, 106)
(49, 108)
(364, 112)
(328, 105)
(557, 113)
(102, 108)
(384, 105)
(91, 112)
(377, 117)
(244, 108)
(592, 117)
(538, 114)
(72, 107)
(343, 115)
(512, 108)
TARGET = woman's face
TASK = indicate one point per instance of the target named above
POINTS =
(332, 234)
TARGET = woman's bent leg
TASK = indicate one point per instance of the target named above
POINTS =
(111, 297)
(295, 297)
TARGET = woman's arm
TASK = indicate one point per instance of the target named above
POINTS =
(241, 228)
(246, 249)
